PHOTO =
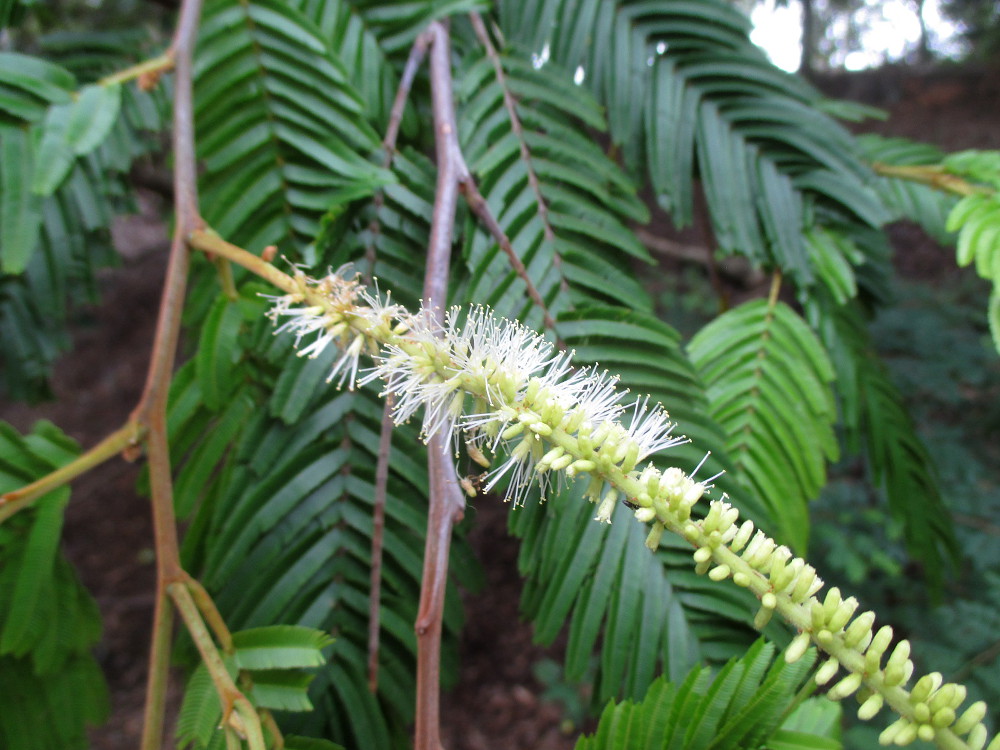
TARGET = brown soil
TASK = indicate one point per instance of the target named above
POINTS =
(497, 702)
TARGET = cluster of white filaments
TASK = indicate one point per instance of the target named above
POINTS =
(508, 392)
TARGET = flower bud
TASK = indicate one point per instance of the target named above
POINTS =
(870, 707)
(977, 737)
(826, 671)
(562, 462)
(797, 647)
(891, 732)
(943, 717)
(741, 579)
(645, 515)
(845, 687)
(970, 718)
(653, 538)
(842, 614)
(742, 536)
(925, 686)
(719, 573)
(860, 631)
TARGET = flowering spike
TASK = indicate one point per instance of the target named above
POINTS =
(510, 394)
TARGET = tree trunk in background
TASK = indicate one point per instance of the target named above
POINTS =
(923, 50)
(808, 39)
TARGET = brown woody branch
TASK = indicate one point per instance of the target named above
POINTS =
(446, 501)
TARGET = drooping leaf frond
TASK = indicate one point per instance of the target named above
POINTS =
(907, 199)
(687, 93)
(768, 381)
(749, 703)
(876, 421)
(281, 128)
(50, 683)
(63, 176)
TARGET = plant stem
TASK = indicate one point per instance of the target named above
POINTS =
(208, 241)
(128, 435)
(446, 504)
(159, 64)
(159, 671)
(933, 175)
(151, 411)
(378, 532)
(211, 613)
(231, 698)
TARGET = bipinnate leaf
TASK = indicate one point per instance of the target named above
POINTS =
(769, 388)
(280, 647)
(20, 208)
(92, 115)
(282, 690)
(741, 707)
(218, 351)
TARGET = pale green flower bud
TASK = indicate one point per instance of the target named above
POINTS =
(943, 717)
(720, 573)
(826, 672)
(797, 647)
(860, 631)
(977, 737)
(607, 507)
(742, 536)
(645, 515)
(970, 718)
(561, 463)
(899, 655)
(845, 687)
(842, 614)
(925, 732)
(702, 555)
(741, 579)
(653, 538)
(891, 732)
(925, 686)
(762, 618)
(579, 466)
(871, 706)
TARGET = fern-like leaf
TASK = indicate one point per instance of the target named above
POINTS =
(768, 381)
(744, 705)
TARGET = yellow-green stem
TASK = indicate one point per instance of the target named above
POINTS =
(128, 435)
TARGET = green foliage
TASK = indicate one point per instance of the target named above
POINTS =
(769, 388)
(751, 702)
(270, 661)
(906, 199)
(50, 684)
(687, 93)
(977, 220)
(66, 151)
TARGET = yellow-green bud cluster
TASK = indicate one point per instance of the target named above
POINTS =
(551, 420)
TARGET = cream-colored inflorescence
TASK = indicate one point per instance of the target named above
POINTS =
(505, 390)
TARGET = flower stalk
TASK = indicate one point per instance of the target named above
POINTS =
(503, 389)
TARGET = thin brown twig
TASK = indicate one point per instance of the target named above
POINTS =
(481, 209)
(446, 502)
(413, 62)
(152, 408)
(378, 532)
(416, 57)
(515, 125)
